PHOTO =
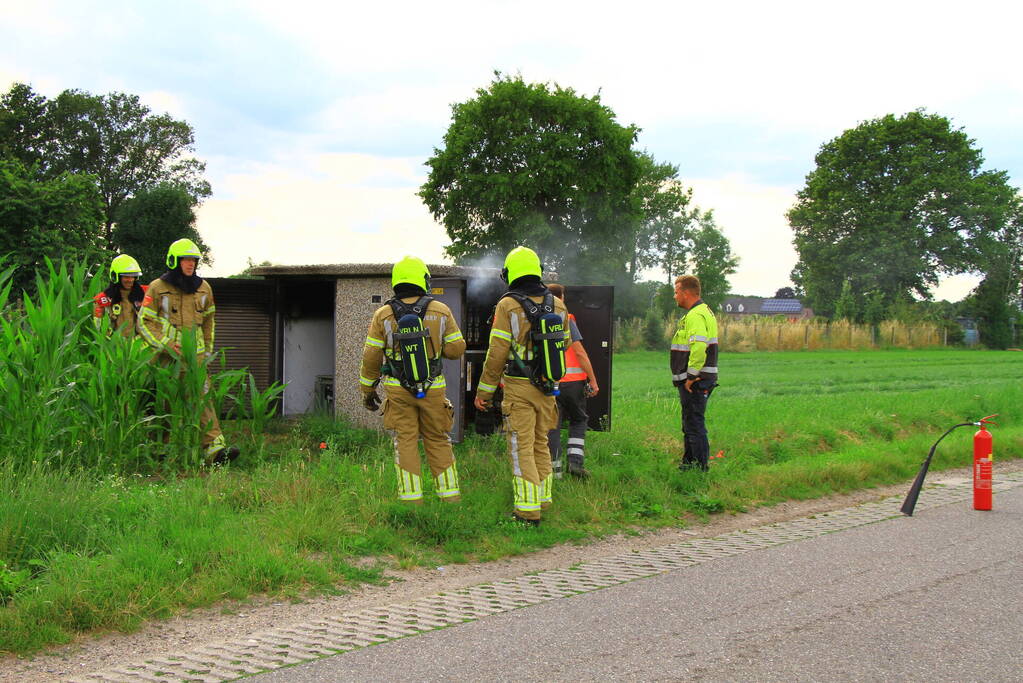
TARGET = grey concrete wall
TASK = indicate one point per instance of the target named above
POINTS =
(354, 311)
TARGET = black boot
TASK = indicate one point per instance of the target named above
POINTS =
(576, 469)
(523, 520)
(225, 455)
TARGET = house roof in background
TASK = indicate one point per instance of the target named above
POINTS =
(774, 306)
(742, 304)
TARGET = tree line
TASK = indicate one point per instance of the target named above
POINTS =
(891, 205)
(85, 176)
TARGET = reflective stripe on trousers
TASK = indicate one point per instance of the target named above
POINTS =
(528, 417)
(409, 419)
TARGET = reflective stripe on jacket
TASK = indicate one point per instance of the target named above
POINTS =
(167, 311)
(445, 341)
(694, 348)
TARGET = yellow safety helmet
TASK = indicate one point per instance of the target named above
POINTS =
(183, 248)
(124, 265)
(411, 270)
(521, 261)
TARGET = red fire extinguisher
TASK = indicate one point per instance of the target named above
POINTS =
(982, 458)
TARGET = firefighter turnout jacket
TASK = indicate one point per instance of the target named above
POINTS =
(694, 348)
(510, 333)
(445, 340)
(167, 311)
(118, 303)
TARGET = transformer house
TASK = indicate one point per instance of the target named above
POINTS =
(305, 326)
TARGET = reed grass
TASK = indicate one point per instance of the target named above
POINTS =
(756, 333)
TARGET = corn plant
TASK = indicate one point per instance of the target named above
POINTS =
(73, 395)
(258, 406)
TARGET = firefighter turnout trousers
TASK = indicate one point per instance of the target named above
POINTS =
(571, 407)
(528, 417)
(407, 419)
(212, 437)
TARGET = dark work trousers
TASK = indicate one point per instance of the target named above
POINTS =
(571, 406)
(694, 429)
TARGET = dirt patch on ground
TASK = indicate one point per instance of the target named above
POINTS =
(230, 621)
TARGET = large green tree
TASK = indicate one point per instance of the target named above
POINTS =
(114, 137)
(891, 205)
(55, 218)
(152, 219)
(540, 165)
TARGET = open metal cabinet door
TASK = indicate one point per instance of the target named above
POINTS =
(451, 291)
(593, 307)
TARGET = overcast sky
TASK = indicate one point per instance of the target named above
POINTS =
(315, 118)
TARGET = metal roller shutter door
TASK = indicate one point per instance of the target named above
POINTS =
(245, 326)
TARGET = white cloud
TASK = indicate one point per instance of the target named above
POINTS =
(955, 287)
(752, 217)
(164, 102)
(342, 208)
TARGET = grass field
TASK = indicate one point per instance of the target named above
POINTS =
(83, 550)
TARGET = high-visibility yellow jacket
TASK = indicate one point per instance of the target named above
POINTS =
(167, 311)
(694, 348)
(445, 340)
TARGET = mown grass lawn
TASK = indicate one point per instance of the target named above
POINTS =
(85, 550)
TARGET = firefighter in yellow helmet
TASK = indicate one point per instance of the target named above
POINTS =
(180, 300)
(528, 333)
(121, 301)
(407, 338)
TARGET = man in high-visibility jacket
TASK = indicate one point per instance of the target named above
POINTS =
(121, 301)
(529, 412)
(694, 368)
(578, 384)
(408, 417)
(180, 300)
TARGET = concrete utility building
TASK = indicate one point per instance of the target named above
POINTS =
(305, 326)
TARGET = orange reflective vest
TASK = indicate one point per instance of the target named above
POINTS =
(574, 372)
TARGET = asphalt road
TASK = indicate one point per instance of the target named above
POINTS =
(935, 597)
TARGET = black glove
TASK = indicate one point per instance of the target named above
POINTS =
(371, 401)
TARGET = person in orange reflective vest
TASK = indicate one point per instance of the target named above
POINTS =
(578, 384)
(121, 301)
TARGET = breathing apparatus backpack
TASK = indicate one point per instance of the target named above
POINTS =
(546, 367)
(415, 370)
